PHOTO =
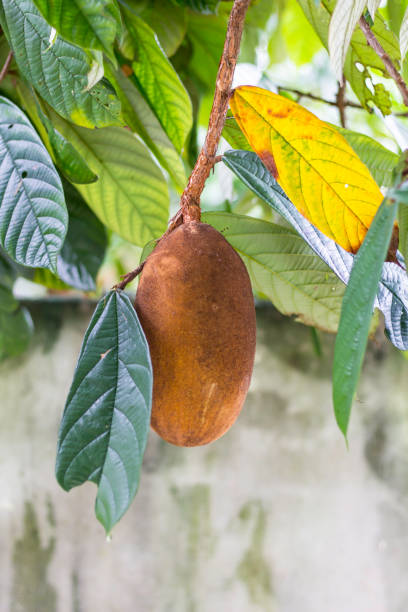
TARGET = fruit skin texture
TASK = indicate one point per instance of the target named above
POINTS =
(196, 307)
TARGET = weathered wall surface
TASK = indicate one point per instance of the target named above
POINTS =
(275, 516)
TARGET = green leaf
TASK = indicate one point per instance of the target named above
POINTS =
(16, 326)
(357, 311)
(234, 135)
(169, 22)
(33, 215)
(160, 83)
(131, 196)
(395, 10)
(90, 24)
(283, 268)
(140, 118)
(403, 230)
(200, 6)
(59, 72)
(16, 330)
(298, 36)
(84, 247)
(378, 159)
(207, 36)
(106, 419)
(47, 279)
(342, 24)
(256, 29)
(360, 56)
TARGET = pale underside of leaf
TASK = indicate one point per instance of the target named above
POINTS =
(343, 21)
(373, 6)
(403, 36)
(33, 215)
(314, 164)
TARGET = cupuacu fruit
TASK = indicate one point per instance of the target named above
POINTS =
(195, 304)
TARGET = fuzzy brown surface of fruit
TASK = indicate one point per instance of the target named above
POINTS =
(196, 307)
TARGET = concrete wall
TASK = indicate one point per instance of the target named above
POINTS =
(275, 516)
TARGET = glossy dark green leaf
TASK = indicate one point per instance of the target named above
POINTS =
(91, 24)
(106, 419)
(357, 309)
(392, 296)
(58, 71)
(33, 215)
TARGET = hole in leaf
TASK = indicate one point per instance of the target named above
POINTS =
(24, 174)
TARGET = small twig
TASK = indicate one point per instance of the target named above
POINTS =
(127, 278)
(340, 100)
(383, 55)
(304, 94)
(6, 65)
(190, 200)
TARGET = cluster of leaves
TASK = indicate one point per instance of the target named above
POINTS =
(99, 113)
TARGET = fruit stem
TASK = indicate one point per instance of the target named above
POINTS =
(190, 200)
(127, 278)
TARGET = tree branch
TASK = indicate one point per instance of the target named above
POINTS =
(6, 65)
(383, 55)
(190, 200)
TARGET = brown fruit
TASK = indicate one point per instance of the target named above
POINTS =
(196, 307)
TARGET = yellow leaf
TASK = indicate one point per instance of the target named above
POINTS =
(312, 162)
